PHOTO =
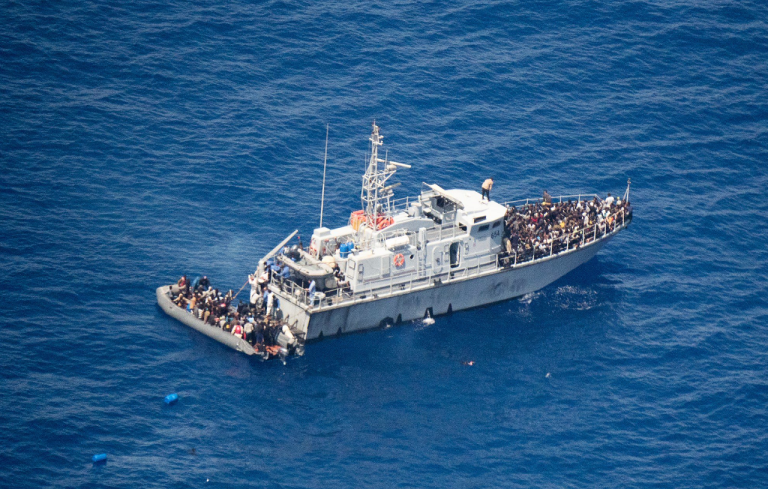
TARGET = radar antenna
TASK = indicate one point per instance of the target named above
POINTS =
(376, 197)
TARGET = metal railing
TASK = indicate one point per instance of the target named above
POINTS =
(436, 233)
(559, 199)
(401, 204)
(451, 230)
(367, 244)
(445, 231)
(290, 288)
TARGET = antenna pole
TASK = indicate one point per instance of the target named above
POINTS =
(626, 194)
(325, 161)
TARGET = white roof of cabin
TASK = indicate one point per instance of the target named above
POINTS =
(476, 206)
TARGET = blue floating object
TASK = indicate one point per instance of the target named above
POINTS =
(100, 458)
(171, 398)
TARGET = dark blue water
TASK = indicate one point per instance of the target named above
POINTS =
(142, 140)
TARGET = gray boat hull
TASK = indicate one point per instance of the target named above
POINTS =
(440, 298)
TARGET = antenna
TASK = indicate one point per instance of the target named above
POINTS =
(325, 161)
(626, 194)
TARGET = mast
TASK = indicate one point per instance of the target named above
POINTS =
(626, 194)
(325, 161)
(375, 195)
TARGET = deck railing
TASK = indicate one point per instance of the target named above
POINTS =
(401, 204)
(367, 244)
(559, 199)
(469, 268)
(433, 234)
(451, 230)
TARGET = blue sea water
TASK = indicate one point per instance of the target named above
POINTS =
(142, 140)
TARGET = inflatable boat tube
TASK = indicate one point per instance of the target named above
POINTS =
(218, 334)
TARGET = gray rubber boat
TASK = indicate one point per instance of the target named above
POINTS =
(165, 302)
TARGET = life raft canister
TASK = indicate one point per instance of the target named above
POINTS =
(356, 218)
(399, 260)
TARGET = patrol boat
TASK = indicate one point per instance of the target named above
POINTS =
(424, 256)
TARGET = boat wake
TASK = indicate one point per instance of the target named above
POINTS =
(576, 298)
(529, 297)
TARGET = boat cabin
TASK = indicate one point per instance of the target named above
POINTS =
(441, 230)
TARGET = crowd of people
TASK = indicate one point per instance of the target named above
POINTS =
(254, 321)
(542, 228)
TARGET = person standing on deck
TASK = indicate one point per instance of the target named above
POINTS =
(264, 298)
(270, 303)
(285, 272)
(254, 289)
(487, 186)
(312, 289)
(248, 331)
